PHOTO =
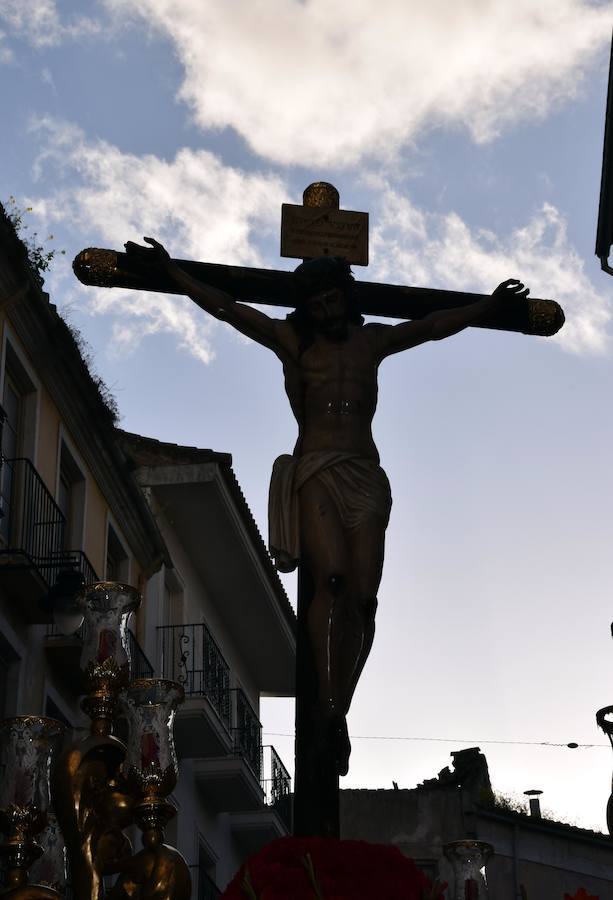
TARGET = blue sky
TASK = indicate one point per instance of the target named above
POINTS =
(472, 134)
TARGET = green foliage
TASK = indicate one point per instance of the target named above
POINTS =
(509, 804)
(519, 805)
(40, 259)
(39, 256)
(102, 388)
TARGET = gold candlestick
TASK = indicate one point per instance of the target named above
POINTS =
(91, 804)
(151, 770)
(27, 746)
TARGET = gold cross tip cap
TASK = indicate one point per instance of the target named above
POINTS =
(321, 193)
(96, 266)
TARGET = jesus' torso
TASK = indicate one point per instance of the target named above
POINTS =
(332, 389)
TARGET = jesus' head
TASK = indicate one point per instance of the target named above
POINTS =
(324, 294)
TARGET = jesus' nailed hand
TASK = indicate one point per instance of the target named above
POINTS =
(330, 500)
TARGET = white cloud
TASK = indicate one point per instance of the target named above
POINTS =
(198, 207)
(39, 22)
(46, 76)
(328, 83)
(409, 246)
(6, 54)
(204, 210)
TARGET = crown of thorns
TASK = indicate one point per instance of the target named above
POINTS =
(316, 275)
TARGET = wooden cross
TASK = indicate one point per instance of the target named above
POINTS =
(318, 228)
(110, 268)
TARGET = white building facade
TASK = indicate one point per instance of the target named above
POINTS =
(78, 495)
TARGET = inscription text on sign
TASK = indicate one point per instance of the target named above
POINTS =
(308, 232)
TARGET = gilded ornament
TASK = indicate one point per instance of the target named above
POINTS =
(96, 266)
(105, 587)
(546, 317)
(321, 193)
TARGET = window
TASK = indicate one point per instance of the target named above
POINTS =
(71, 498)
(172, 634)
(117, 562)
(172, 601)
(20, 404)
(11, 401)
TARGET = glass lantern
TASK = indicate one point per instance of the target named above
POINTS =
(28, 745)
(151, 765)
(469, 859)
(107, 606)
(50, 868)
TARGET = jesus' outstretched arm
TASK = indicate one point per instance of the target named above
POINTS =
(446, 322)
(249, 321)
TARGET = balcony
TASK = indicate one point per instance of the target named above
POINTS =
(277, 786)
(189, 654)
(247, 733)
(231, 783)
(219, 730)
(74, 560)
(64, 654)
(32, 550)
(254, 829)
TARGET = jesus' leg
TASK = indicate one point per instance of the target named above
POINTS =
(367, 544)
(332, 638)
(346, 570)
(325, 552)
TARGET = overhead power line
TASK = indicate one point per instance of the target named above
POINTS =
(572, 745)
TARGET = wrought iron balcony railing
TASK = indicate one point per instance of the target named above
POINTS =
(276, 784)
(32, 521)
(247, 732)
(276, 778)
(189, 654)
(75, 560)
(33, 525)
(140, 666)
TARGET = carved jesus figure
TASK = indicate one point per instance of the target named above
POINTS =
(330, 500)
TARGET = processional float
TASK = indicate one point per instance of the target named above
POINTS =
(72, 803)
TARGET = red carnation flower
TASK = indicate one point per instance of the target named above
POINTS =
(329, 869)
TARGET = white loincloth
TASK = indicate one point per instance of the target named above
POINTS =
(357, 486)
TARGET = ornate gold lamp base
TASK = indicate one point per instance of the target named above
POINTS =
(20, 852)
(27, 747)
(31, 892)
(82, 784)
(18, 889)
(101, 786)
(158, 871)
(20, 855)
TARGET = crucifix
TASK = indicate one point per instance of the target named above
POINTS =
(330, 499)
